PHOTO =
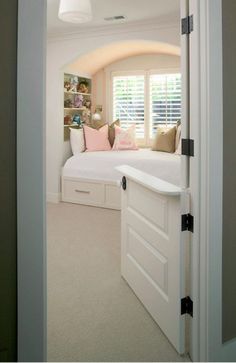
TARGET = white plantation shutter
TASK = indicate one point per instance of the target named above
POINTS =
(131, 106)
(129, 101)
(165, 100)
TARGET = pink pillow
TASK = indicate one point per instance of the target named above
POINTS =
(96, 140)
(125, 139)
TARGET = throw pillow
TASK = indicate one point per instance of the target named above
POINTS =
(97, 140)
(178, 137)
(112, 131)
(77, 141)
(178, 151)
(165, 139)
(125, 139)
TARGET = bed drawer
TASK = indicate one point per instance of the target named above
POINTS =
(83, 192)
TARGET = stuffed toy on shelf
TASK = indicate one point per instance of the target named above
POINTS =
(78, 103)
(83, 87)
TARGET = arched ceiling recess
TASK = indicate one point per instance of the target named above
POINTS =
(99, 58)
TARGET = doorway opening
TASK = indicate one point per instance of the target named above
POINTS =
(93, 314)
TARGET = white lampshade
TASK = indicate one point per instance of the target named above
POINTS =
(75, 11)
(96, 116)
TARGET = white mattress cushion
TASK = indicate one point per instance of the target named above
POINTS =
(101, 165)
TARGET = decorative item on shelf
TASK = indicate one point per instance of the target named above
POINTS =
(83, 87)
(78, 103)
(86, 116)
(87, 103)
(67, 120)
(74, 84)
(76, 119)
(68, 103)
(66, 86)
(75, 11)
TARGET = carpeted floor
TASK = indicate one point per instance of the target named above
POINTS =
(92, 313)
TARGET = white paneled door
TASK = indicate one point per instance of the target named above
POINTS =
(152, 250)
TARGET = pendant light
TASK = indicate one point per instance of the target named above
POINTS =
(75, 11)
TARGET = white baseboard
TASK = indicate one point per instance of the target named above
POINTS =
(53, 197)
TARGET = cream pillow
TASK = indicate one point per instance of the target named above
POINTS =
(77, 141)
(165, 139)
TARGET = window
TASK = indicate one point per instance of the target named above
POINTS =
(128, 102)
(165, 100)
(131, 105)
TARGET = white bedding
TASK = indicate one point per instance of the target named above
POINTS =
(101, 165)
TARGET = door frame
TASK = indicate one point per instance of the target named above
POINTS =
(211, 186)
(206, 123)
(31, 178)
(207, 77)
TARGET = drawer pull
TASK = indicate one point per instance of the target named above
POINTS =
(82, 191)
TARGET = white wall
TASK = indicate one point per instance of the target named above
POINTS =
(102, 79)
(60, 53)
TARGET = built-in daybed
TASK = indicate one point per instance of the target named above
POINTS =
(90, 178)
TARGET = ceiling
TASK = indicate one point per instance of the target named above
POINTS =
(133, 10)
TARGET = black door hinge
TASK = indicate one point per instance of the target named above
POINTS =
(124, 183)
(187, 25)
(187, 222)
(186, 306)
(187, 146)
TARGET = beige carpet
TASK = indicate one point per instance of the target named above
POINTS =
(92, 313)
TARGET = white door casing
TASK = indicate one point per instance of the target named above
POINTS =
(153, 249)
(190, 165)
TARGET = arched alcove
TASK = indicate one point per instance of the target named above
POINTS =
(99, 58)
(130, 56)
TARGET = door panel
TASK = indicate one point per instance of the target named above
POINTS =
(148, 259)
(143, 201)
(152, 256)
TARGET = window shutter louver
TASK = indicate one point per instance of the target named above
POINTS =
(165, 99)
(128, 102)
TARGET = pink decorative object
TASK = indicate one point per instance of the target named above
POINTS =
(78, 101)
(125, 139)
(96, 140)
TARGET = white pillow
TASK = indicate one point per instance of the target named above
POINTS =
(178, 150)
(77, 141)
(178, 140)
(178, 136)
(125, 139)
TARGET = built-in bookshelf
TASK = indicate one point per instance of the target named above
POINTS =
(77, 102)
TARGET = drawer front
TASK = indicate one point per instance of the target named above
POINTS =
(83, 192)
